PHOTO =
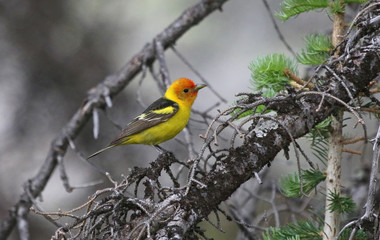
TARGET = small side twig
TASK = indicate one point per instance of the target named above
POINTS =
(280, 36)
(351, 151)
(160, 55)
(352, 141)
(360, 120)
(297, 79)
(63, 174)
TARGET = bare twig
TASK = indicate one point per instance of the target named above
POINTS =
(360, 120)
(351, 151)
(353, 22)
(282, 38)
(164, 71)
(138, 92)
(189, 143)
(297, 79)
(352, 141)
(341, 82)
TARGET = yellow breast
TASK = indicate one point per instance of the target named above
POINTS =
(163, 131)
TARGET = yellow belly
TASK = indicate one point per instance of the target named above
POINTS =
(163, 131)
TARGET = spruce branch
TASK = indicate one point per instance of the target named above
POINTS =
(290, 185)
(318, 136)
(355, 1)
(302, 230)
(268, 72)
(290, 8)
(339, 203)
(317, 50)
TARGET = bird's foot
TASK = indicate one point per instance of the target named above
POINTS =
(160, 149)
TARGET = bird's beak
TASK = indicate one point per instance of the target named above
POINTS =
(198, 87)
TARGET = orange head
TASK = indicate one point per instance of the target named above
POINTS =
(183, 90)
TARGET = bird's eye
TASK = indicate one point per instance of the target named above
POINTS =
(185, 90)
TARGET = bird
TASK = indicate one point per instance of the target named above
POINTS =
(162, 120)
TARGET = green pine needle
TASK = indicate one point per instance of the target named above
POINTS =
(290, 184)
(359, 235)
(268, 72)
(289, 8)
(320, 150)
(355, 1)
(319, 144)
(322, 128)
(306, 230)
(301, 230)
(340, 204)
(317, 50)
(336, 6)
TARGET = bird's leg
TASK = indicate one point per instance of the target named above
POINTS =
(160, 149)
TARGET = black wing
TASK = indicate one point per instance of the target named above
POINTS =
(159, 111)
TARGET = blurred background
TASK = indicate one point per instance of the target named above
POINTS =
(53, 52)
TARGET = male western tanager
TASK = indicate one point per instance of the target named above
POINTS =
(163, 119)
